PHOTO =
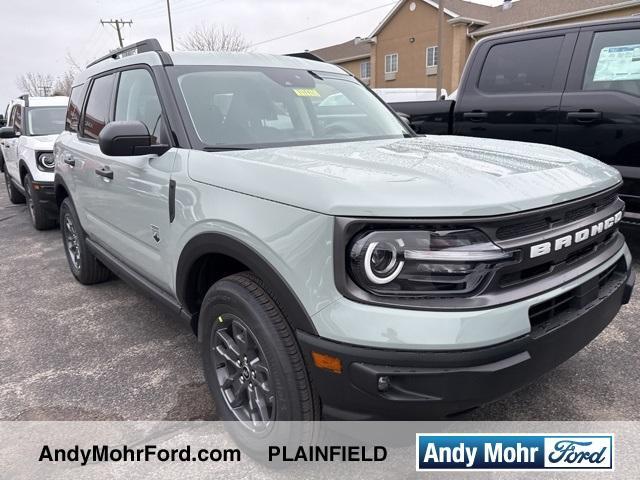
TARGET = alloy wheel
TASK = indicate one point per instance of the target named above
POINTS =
(71, 241)
(242, 373)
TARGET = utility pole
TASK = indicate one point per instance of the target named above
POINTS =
(170, 26)
(45, 89)
(440, 52)
(117, 24)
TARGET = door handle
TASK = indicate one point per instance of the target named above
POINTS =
(475, 116)
(585, 117)
(69, 160)
(105, 172)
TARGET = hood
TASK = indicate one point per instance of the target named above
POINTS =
(40, 142)
(414, 177)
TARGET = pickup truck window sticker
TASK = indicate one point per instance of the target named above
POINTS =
(618, 64)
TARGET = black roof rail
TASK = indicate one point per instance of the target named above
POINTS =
(148, 45)
(306, 55)
(25, 98)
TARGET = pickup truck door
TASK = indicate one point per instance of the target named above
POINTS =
(10, 145)
(514, 87)
(600, 111)
(131, 206)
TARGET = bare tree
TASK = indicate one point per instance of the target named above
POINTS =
(35, 83)
(64, 82)
(38, 84)
(214, 38)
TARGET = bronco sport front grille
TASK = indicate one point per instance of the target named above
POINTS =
(551, 314)
(554, 220)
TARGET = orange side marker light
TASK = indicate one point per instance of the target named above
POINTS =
(327, 362)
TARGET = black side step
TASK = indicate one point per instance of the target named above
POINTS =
(135, 279)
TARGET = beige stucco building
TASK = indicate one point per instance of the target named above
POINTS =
(402, 50)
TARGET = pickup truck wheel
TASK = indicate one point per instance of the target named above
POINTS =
(83, 264)
(14, 194)
(252, 362)
(38, 214)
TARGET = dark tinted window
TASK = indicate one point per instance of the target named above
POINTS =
(17, 119)
(614, 62)
(12, 115)
(73, 110)
(519, 67)
(137, 100)
(96, 114)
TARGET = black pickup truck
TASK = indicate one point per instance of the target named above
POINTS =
(575, 86)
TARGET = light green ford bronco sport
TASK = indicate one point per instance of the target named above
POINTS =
(332, 263)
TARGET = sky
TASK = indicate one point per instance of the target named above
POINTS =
(38, 35)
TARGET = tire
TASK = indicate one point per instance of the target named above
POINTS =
(83, 264)
(15, 196)
(240, 306)
(39, 217)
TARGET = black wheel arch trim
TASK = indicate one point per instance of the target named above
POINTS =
(58, 181)
(222, 244)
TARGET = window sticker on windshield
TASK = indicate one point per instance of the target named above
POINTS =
(306, 92)
(618, 63)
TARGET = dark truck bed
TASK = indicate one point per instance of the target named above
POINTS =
(575, 86)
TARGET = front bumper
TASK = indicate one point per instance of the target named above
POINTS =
(378, 383)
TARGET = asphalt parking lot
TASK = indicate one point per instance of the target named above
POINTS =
(107, 352)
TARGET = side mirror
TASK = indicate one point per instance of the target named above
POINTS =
(405, 118)
(127, 139)
(8, 132)
(2, 121)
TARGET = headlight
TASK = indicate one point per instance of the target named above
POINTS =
(46, 161)
(420, 263)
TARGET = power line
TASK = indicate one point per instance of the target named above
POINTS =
(323, 24)
(118, 24)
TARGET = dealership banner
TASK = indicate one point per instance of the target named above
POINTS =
(291, 450)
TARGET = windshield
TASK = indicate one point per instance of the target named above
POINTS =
(263, 107)
(45, 120)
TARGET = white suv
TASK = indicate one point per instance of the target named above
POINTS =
(27, 149)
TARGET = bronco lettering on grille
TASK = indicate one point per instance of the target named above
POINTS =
(579, 236)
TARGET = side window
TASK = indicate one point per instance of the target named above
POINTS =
(73, 109)
(96, 114)
(137, 99)
(521, 67)
(614, 62)
(17, 119)
(12, 116)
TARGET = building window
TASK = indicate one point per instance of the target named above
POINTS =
(391, 63)
(433, 56)
(365, 70)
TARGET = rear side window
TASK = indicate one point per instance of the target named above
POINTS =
(614, 62)
(96, 114)
(17, 119)
(521, 67)
(73, 109)
(12, 116)
(137, 99)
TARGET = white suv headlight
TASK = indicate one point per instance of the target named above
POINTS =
(46, 161)
(423, 262)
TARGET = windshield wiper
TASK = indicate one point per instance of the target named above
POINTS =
(224, 149)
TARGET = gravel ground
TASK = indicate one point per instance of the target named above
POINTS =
(107, 352)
